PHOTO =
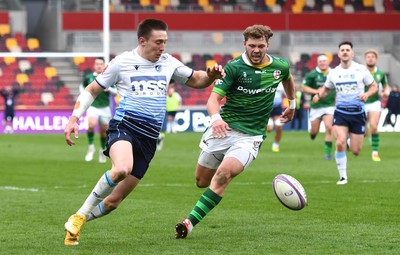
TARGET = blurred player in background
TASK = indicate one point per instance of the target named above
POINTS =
(324, 109)
(174, 103)
(373, 105)
(349, 80)
(98, 113)
(274, 118)
(9, 95)
(393, 106)
(238, 127)
(142, 76)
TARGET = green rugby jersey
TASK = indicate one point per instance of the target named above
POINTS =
(316, 79)
(380, 79)
(103, 99)
(250, 92)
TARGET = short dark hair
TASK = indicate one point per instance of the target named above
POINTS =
(148, 25)
(100, 58)
(345, 43)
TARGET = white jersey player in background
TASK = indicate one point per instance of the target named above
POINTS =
(349, 79)
(141, 77)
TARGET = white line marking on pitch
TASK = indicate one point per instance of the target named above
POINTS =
(18, 189)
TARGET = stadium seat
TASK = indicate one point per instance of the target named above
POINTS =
(79, 60)
(11, 42)
(210, 63)
(46, 98)
(145, 3)
(21, 78)
(33, 44)
(5, 29)
(50, 72)
(9, 60)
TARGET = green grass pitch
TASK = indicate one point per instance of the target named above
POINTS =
(43, 181)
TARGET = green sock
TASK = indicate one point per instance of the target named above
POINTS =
(375, 142)
(103, 142)
(328, 148)
(206, 203)
(90, 136)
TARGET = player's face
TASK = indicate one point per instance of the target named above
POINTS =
(98, 65)
(154, 46)
(323, 64)
(256, 49)
(370, 59)
(345, 53)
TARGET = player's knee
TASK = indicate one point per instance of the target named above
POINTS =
(120, 172)
(356, 152)
(202, 183)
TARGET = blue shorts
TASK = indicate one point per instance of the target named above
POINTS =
(143, 147)
(276, 111)
(355, 123)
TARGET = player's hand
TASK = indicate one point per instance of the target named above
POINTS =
(287, 115)
(220, 128)
(315, 99)
(72, 127)
(215, 72)
(363, 97)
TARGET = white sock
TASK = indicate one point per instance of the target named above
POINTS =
(341, 162)
(97, 212)
(102, 189)
(169, 127)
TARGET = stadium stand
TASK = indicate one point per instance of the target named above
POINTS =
(39, 80)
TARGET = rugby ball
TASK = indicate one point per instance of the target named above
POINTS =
(289, 192)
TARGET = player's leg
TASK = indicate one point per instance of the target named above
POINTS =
(170, 122)
(328, 120)
(92, 121)
(373, 117)
(121, 156)
(341, 133)
(314, 130)
(104, 119)
(356, 141)
(234, 162)
(207, 164)
(112, 201)
(278, 134)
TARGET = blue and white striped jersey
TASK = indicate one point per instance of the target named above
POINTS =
(143, 87)
(349, 84)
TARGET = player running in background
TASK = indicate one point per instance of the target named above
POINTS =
(238, 128)
(9, 95)
(323, 110)
(142, 77)
(373, 105)
(274, 118)
(98, 113)
(349, 80)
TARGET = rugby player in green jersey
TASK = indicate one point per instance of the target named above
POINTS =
(237, 128)
(373, 106)
(324, 109)
(98, 113)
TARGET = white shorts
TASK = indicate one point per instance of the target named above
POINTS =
(373, 107)
(241, 146)
(103, 114)
(317, 113)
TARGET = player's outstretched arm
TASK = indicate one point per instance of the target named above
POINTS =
(83, 102)
(288, 114)
(203, 79)
(219, 126)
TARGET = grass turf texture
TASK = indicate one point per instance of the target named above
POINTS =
(43, 181)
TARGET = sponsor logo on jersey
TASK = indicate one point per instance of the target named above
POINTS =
(256, 91)
(158, 68)
(149, 85)
(136, 67)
